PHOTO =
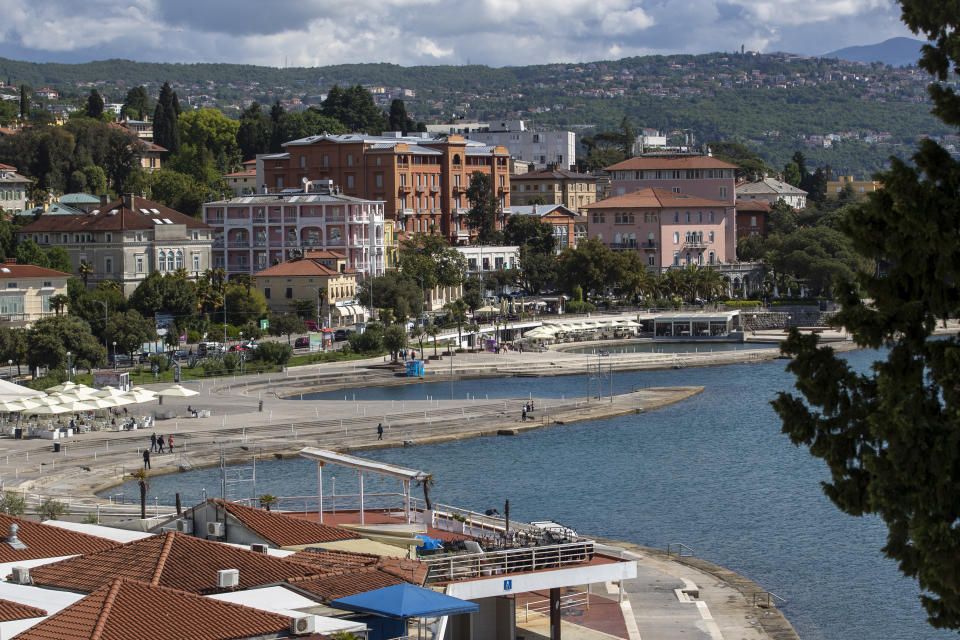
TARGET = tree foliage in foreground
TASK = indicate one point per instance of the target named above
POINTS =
(891, 437)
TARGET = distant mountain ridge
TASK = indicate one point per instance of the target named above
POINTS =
(896, 52)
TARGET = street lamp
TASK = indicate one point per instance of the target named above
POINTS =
(114, 355)
(10, 369)
(68, 365)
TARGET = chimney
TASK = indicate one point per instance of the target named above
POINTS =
(13, 540)
(128, 201)
(11, 261)
(103, 200)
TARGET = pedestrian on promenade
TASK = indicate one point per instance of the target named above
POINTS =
(380, 431)
(153, 441)
(146, 458)
(160, 444)
(523, 416)
(170, 443)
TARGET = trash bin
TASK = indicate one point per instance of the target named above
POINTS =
(18, 433)
(260, 408)
(56, 447)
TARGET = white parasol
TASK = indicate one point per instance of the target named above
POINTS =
(177, 391)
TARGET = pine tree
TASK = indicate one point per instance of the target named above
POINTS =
(136, 103)
(94, 107)
(398, 116)
(24, 102)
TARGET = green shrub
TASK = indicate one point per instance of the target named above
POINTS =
(51, 509)
(742, 304)
(12, 504)
(578, 306)
(370, 341)
(273, 353)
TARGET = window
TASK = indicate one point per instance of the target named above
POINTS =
(651, 260)
(139, 264)
(109, 237)
(711, 216)
(170, 260)
(753, 221)
(676, 216)
(379, 161)
(676, 258)
(723, 192)
(108, 265)
(349, 159)
(699, 216)
(350, 182)
(63, 238)
(688, 216)
(196, 262)
(676, 237)
(326, 160)
(379, 178)
(675, 189)
(11, 304)
(11, 285)
(161, 257)
(196, 235)
(45, 303)
(713, 258)
(139, 237)
(179, 259)
(303, 162)
(266, 290)
(711, 236)
(289, 292)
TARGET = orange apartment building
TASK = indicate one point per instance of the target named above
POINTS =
(422, 180)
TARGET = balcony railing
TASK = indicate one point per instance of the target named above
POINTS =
(214, 220)
(238, 266)
(467, 566)
(435, 188)
(244, 244)
(649, 244)
(421, 188)
(695, 244)
(624, 245)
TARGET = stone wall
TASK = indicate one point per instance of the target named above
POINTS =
(802, 317)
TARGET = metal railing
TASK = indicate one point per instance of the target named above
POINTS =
(682, 550)
(767, 599)
(452, 567)
(567, 602)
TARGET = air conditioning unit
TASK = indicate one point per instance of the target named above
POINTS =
(21, 575)
(215, 529)
(227, 578)
(302, 625)
(259, 548)
(185, 526)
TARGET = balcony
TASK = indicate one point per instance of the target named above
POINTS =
(238, 266)
(695, 244)
(406, 212)
(469, 566)
(214, 220)
(243, 244)
(435, 189)
(421, 188)
(405, 188)
(260, 243)
(217, 244)
(259, 219)
(650, 245)
(630, 244)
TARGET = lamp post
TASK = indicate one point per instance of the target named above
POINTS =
(224, 319)
(114, 355)
(10, 369)
(68, 366)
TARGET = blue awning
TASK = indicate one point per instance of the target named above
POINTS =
(405, 601)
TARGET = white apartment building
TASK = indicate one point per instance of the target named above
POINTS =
(13, 189)
(255, 232)
(542, 148)
(483, 260)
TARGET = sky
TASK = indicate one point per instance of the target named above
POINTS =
(413, 32)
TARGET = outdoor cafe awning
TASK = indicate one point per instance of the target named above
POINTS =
(361, 464)
(405, 601)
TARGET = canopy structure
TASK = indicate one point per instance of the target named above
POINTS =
(11, 391)
(405, 601)
(178, 391)
(324, 456)
(66, 386)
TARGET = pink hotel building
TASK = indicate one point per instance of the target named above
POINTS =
(690, 199)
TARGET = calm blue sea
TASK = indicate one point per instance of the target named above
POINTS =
(713, 472)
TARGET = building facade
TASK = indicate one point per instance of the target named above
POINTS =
(569, 228)
(321, 276)
(483, 260)
(255, 232)
(126, 240)
(771, 191)
(540, 147)
(860, 187)
(694, 175)
(667, 229)
(421, 180)
(13, 190)
(752, 218)
(26, 292)
(555, 186)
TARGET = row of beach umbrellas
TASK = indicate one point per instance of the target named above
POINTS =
(71, 397)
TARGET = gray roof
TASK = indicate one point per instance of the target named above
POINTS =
(537, 209)
(56, 209)
(291, 198)
(770, 185)
(380, 142)
(79, 198)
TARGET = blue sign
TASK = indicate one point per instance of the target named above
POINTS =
(507, 585)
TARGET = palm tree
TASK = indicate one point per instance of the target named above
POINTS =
(85, 270)
(181, 273)
(59, 302)
(458, 311)
(246, 280)
(267, 501)
(140, 475)
(426, 482)
(110, 285)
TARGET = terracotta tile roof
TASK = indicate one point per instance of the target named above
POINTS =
(14, 270)
(169, 559)
(329, 561)
(752, 205)
(7, 167)
(241, 174)
(125, 218)
(45, 541)
(326, 255)
(654, 199)
(308, 266)
(129, 610)
(16, 611)
(283, 530)
(670, 162)
(332, 587)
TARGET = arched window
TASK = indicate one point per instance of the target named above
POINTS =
(713, 258)
(676, 237)
(179, 259)
(688, 258)
(170, 260)
(456, 159)
(161, 265)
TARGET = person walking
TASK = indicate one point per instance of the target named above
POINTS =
(146, 458)
(153, 441)
(380, 431)
(170, 443)
(160, 444)
(523, 416)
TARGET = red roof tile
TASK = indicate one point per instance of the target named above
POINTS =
(45, 541)
(16, 611)
(13, 270)
(342, 585)
(283, 530)
(752, 205)
(125, 218)
(670, 162)
(331, 561)
(169, 559)
(128, 610)
(651, 198)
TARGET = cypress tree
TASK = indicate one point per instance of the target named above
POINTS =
(166, 129)
(398, 116)
(24, 102)
(94, 105)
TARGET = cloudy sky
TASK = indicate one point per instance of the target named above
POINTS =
(409, 32)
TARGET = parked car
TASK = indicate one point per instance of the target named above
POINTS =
(301, 343)
(180, 354)
(122, 359)
(239, 347)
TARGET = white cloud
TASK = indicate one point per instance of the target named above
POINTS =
(495, 32)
